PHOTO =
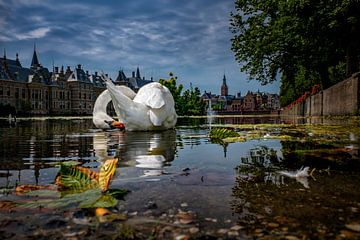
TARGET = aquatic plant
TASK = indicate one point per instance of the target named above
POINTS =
(222, 133)
(77, 186)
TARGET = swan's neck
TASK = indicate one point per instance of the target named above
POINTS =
(101, 102)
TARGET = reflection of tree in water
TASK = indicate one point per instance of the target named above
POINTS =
(318, 155)
(263, 199)
(319, 212)
(259, 162)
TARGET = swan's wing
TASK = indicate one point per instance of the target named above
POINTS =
(152, 95)
(127, 91)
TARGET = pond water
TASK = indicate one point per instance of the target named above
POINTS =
(181, 183)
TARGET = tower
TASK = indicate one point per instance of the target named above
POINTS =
(35, 61)
(138, 73)
(224, 87)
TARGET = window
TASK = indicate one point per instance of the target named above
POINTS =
(17, 92)
(23, 93)
(1, 90)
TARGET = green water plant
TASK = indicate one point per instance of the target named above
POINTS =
(76, 187)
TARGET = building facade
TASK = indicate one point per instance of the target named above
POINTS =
(37, 91)
(252, 102)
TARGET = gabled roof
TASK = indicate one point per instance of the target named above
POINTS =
(15, 70)
(79, 75)
(137, 83)
(121, 77)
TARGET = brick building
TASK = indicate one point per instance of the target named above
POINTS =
(252, 102)
(36, 90)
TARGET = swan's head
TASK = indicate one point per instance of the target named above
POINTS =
(115, 124)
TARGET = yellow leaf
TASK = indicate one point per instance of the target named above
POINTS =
(107, 171)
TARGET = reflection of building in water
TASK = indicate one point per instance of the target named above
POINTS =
(37, 144)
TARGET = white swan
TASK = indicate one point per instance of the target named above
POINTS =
(100, 118)
(153, 107)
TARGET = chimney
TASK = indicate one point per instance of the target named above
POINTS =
(106, 74)
(79, 66)
(95, 74)
(133, 74)
(151, 78)
(56, 69)
(62, 69)
(87, 72)
(68, 69)
(143, 78)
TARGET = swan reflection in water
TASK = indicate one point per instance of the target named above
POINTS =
(148, 151)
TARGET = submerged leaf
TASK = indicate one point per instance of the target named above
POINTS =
(118, 193)
(99, 201)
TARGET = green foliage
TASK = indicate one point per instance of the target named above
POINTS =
(79, 187)
(222, 133)
(75, 179)
(307, 42)
(187, 104)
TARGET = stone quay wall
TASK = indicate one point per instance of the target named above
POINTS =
(342, 98)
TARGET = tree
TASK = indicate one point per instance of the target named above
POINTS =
(188, 103)
(304, 41)
(174, 89)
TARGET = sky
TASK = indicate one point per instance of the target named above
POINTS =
(190, 38)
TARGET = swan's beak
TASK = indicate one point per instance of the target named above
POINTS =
(118, 125)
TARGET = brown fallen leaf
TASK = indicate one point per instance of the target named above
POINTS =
(21, 189)
(7, 205)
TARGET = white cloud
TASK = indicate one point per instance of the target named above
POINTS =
(37, 33)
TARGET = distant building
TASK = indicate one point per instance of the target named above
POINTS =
(252, 102)
(224, 87)
(134, 82)
(36, 90)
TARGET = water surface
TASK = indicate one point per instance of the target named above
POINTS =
(223, 184)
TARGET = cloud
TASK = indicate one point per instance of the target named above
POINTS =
(188, 37)
(36, 33)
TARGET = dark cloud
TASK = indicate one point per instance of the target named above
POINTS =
(190, 38)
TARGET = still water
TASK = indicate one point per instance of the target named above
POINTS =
(239, 185)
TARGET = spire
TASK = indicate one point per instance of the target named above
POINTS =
(35, 61)
(137, 72)
(224, 80)
(17, 60)
(224, 87)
